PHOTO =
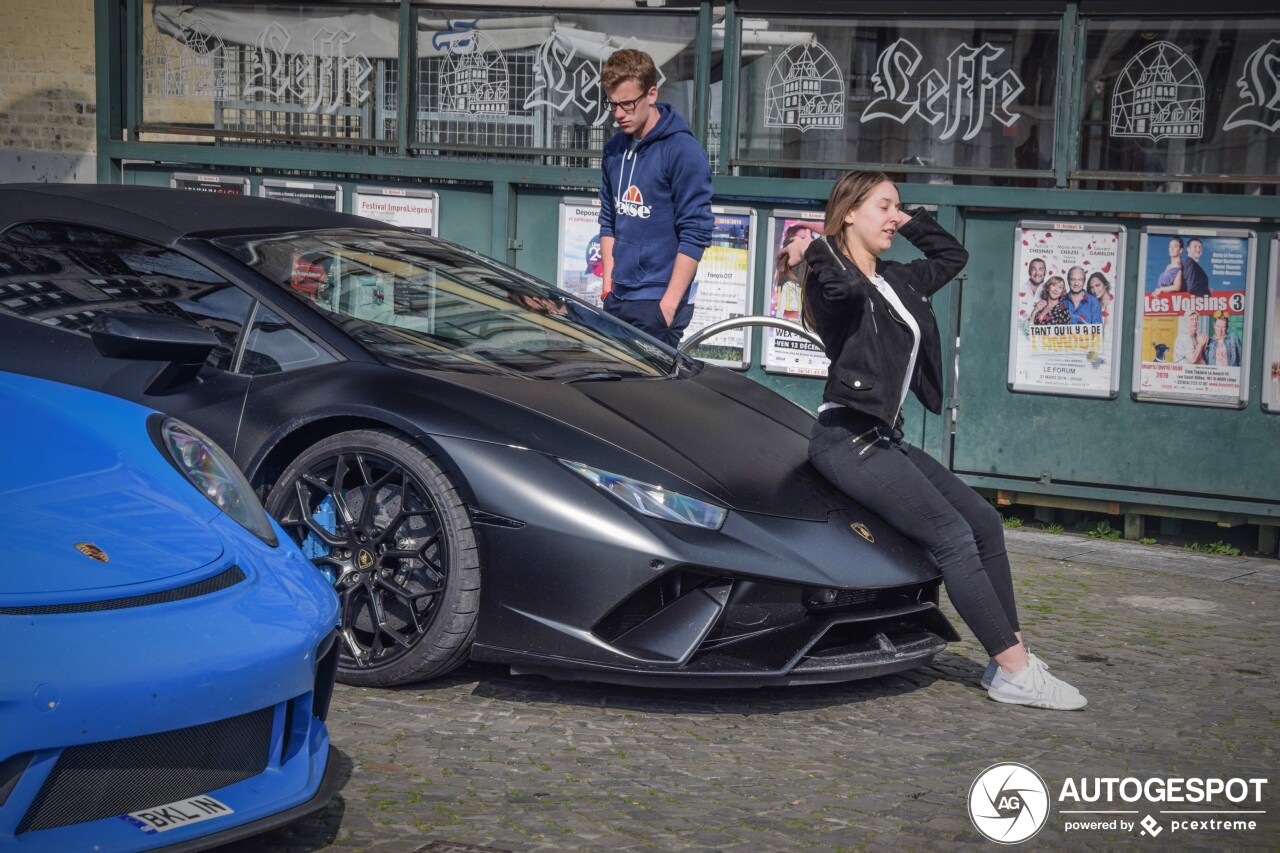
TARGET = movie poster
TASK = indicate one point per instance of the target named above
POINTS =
(1067, 297)
(1271, 375)
(222, 184)
(309, 193)
(786, 352)
(723, 287)
(1192, 340)
(579, 268)
(416, 210)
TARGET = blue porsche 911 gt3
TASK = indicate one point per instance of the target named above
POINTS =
(168, 654)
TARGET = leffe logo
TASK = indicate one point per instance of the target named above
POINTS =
(969, 90)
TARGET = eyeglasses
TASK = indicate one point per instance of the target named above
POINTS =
(626, 106)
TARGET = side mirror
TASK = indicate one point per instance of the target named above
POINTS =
(183, 345)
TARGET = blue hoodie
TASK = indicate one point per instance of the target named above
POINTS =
(655, 201)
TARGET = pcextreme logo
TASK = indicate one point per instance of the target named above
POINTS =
(1009, 803)
(632, 204)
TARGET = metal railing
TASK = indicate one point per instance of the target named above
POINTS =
(743, 322)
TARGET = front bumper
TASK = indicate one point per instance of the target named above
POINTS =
(727, 632)
(579, 586)
(119, 710)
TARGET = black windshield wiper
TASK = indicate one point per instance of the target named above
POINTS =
(594, 376)
(681, 360)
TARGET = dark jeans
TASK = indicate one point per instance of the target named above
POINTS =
(646, 316)
(929, 505)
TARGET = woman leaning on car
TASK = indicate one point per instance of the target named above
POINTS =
(878, 329)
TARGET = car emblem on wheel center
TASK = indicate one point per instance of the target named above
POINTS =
(93, 552)
(364, 559)
(862, 530)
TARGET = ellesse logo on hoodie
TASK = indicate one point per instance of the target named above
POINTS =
(632, 204)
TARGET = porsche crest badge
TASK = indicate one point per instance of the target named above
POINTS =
(862, 530)
(93, 552)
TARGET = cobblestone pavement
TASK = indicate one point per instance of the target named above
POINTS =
(1180, 672)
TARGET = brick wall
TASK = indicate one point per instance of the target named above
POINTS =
(48, 108)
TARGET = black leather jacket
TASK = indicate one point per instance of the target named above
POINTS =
(868, 344)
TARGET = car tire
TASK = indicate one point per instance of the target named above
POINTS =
(406, 569)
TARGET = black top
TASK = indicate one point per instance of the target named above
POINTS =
(869, 346)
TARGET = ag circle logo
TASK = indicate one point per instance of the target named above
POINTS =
(1008, 803)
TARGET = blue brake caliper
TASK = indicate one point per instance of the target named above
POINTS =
(313, 546)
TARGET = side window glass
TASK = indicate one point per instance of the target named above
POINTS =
(273, 346)
(66, 276)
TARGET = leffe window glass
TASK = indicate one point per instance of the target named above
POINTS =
(322, 73)
(1196, 97)
(509, 83)
(955, 94)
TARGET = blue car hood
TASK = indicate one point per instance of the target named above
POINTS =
(65, 484)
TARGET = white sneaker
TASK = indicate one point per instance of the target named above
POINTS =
(1034, 686)
(1035, 661)
(993, 668)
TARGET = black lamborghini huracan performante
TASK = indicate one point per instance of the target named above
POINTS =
(484, 468)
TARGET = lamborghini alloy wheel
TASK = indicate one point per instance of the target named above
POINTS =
(383, 521)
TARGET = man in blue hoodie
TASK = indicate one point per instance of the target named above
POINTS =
(655, 203)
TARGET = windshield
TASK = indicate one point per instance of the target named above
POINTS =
(417, 300)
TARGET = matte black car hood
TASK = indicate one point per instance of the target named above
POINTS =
(739, 443)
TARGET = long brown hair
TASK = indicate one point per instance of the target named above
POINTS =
(850, 191)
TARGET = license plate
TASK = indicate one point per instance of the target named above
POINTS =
(173, 815)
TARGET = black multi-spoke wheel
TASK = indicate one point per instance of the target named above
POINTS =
(382, 520)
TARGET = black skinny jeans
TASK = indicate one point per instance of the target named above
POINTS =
(929, 505)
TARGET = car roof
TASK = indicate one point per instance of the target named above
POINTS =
(161, 214)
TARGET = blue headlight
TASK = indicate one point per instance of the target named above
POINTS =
(653, 501)
(213, 473)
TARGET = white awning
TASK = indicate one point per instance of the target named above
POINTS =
(374, 32)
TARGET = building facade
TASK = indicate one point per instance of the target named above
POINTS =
(1082, 139)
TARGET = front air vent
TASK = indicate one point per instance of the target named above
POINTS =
(116, 777)
(11, 770)
(230, 577)
(647, 601)
(479, 516)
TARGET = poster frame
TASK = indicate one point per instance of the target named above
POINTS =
(198, 178)
(748, 300)
(1270, 395)
(397, 192)
(268, 184)
(776, 218)
(1185, 399)
(1118, 284)
(562, 237)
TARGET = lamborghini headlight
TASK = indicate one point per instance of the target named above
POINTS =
(653, 501)
(212, 472)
